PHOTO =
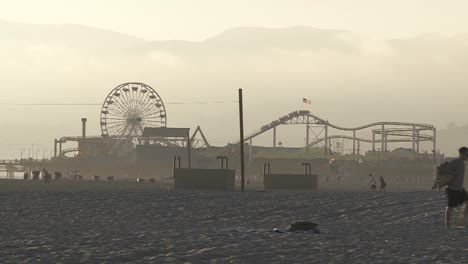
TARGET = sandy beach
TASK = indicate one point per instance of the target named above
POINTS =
(127, 222)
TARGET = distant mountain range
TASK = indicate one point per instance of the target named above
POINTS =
(249, 40)
(257, 40)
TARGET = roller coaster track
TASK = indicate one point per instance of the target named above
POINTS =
(422, 137)
(305, 117)
(398, 140)
(66, 151)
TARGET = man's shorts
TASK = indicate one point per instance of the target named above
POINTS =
(456, 198)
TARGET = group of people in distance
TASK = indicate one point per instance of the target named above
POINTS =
(456, 193)
(373, 183)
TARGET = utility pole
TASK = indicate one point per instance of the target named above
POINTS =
(241, 123)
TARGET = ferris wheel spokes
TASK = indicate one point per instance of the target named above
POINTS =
(129, 108)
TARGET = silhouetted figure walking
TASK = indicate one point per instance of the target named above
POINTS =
(383, 184)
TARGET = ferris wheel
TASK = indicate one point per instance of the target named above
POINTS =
(129, 108)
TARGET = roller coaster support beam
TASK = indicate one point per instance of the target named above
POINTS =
(358, 147)
(373, 141)
(386, 143)
(417, 143)
(382, 150)
(274, 137)
(354, 142)
(55, 148)
(327, 153)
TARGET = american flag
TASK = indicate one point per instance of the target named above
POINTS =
(306, 101)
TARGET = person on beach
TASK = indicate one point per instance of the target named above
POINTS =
(46, 176)
(456, 194)
(372, 183)
(383, 184)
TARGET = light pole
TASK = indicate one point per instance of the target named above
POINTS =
(241, 123)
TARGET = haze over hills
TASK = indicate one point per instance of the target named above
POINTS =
(351, 79)
(77, 37)
(253, 40)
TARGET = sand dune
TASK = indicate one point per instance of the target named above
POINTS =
(118, 222)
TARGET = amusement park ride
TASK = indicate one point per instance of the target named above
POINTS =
(127, 110)
(134, 131)
(131, 107)
(318, 133)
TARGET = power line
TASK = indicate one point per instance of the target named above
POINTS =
(215, 102)
(94, 104)
(47, 104)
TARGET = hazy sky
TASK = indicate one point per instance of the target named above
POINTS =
(338, 71)
(196, 20)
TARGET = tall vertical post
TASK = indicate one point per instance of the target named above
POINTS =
(83, 127)
(358, 147)
(386, 143)
(354, 142)
(326, 140)
(414, 141)
(55, 148)
(189, 147)
(274, 137)
(307, 135)
(250, 151)
(241, 126)
(382, 150)
(417, 143)
(434, 141)
(373, 141)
